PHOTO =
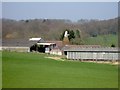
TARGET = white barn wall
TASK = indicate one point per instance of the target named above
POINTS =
(92, 55)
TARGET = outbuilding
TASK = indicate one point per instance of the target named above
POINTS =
(91, 53)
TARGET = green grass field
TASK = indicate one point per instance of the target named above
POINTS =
(104, 40)
(33, 70)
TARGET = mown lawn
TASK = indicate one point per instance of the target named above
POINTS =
(33, 70)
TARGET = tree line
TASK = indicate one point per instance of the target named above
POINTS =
(53, 29)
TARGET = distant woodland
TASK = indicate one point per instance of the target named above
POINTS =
(52, 29)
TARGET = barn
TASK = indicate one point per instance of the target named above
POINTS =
(84, 52)
(56, 51)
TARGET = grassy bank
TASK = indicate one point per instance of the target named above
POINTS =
(104, 40)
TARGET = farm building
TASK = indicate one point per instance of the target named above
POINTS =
(16, 49)
(40, 45)
(84, 52)
(51, 47)
(45, 47)
(75, 52)
(18, 45)
(56, 51)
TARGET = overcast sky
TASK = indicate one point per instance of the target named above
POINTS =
(59, 10)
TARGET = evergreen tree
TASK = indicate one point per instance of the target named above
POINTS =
(78, 34)
(67, 40)
(71, 35)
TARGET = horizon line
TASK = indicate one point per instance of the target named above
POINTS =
(58, 19)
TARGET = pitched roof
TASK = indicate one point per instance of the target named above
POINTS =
(16, 42)
(45, 43)
(59, 44)
(80, 46)
(88, 48)
(34, 39)
(19, 42)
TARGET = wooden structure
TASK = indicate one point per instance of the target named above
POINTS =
(56, 51)
(45, 47)
(91, 53)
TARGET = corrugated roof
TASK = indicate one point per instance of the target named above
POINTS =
(59, 44)
(45, 43)
(16, 42)
(88, 48)
(19, 42)
(80, 46)
(34, 39)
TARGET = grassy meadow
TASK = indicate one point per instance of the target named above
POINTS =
(33, 70)
(104, 40)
